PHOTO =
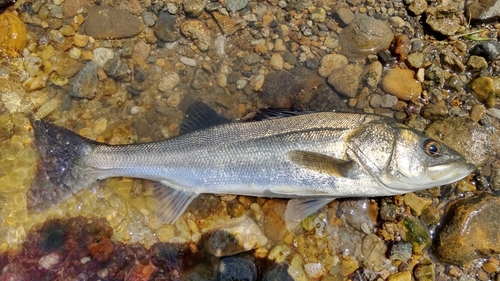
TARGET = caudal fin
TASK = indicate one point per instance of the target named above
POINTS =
(60, 170)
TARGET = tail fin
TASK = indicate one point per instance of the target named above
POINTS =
(60, 170)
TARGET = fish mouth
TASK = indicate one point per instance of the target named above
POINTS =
(451, 172)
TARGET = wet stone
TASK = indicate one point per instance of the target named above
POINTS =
(365, 36)
(165, 28)
(465, 136)
(330, 62)
(251, 59)
(84, 84)
(194, 8)
(346, 80)
(430, 216)
(462, 236)
(402, 84)
(235, 268)
(345, 15)
(434, 112)
(416, 60)
(476, 63)
(236, 5)
(389, 101)
(117, 69)
(425, 271)
(200, 79)
(274, 220)
(489, 50)
(278, 272)
(482, 10)
(415, 233)
(312, 63)
(417, 7)
(443, 19)
(105, 22)
(400, 251)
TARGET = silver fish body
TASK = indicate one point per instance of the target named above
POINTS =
(316, 157)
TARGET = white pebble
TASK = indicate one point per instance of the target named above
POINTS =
(75, 53)
(101, 55)
(188, 61)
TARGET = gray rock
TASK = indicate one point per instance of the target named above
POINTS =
(148, 19)
(251, 58)
(235, 269)
(84, 84)
(376, 100)
(356, 213)
(117, 69)
(312, 63)
(289, 57)
(105, 22)
(482, 10)
(165, 28)
(233, 77)
(365, 36)
(200, 79)
(346, 80)
(278, 273)
(345, 15)
(236, 5)
(388, 101)
(489, 50)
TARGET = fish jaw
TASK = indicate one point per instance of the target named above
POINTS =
(445, 174)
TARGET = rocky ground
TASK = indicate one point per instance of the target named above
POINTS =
(124, 72)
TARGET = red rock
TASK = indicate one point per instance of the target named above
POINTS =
(101, 250)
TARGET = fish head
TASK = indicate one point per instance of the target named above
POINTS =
(419, 162)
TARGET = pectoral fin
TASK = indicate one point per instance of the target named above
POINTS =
(321, 163)
(170, 202)
(298, 209)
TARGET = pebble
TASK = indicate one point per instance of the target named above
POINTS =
(494, 112)
(425, 271)
(402, 276)
(482, 10)
(197, 31)
(279, 253)
(434, 111)
(84, 84)
(47, 108)
(194, 8)
(372, 74)
(400, 251)
(245, 236)
(345, 80)
(416, 203)
(165, 29)
(401, 46)
(476, 63)
(331, 62)
(376, 101)
(314, 270)
(227, 24)
(416, 60)
(235, 268)
(443, 19)
(279, 272)
(490, 50)
(168, 82)
(484, 89)
(188, 61)
(469, 230)
(345, 15)
(365, 36)
(236, 5)
(106, 22)
(463, 134)
(274, 220)
(251, 59)
(117, 69)
(75, 53)
(417, 6)
(200, 79)
(13, 37)
(402, 84)
(276, 62)
(101, 55)
(415, 233)
(80, 40)
(388, 101)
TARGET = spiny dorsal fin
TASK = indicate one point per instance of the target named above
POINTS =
(200, 116)
(321, 163)
(273, 113)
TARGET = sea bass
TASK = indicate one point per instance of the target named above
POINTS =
(311, 158)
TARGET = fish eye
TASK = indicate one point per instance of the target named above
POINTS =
(432, 147)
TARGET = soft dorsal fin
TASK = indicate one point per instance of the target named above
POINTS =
(200, 116)
(273, 113)
(322, 163)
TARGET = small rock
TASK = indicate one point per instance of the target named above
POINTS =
(101, 55)
(443, 19)
(372, 74)
(165, 28)
(314, 270)
(402, 84)
(417, 204)
(331, 62)
(482, 10)
(477, 112)
(197, 31)
(373, 248)
(194, 8)
(375, 101)
(236, 5)
(319, 15)
(400, 251)
(276, 62)
(434, 111)
(106, 22)
(430, 216)
(345, 15)
(232, 237)
(274, 220)
(401, 46)
(50, 260)
(416, 60)
(388, 101)
(402, 276)
(365, 36)
(235, 268)
(200, 79)
(148, 19)
(357, 213)
(312, 63)
(168, 82)
(454, 83)
(227, 24)
(464, 135)
(251, 59)
(425, 271)
(346, 80)
(476, 63)
(397, 21)
(280, 253)
(485, 89)
(469, 230)
(494, 112)
(13, 36)
(490, 50)
(279, 272)
(348, 266)
(415, 233)
(188, 61)
(84, 83)
(451, 61)
(417, 6)
(117, 69)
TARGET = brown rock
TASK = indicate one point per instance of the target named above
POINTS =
(346, 80)
(402, 84)
(401, 46)
(105, 22)
(482, 9)
(13, 36)
(70, 7)
(227, 24)
(197, 31)
(274, 219)
(469, 230)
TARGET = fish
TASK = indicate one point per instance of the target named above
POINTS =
(310, 158)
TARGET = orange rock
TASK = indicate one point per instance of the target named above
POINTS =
(402, 84)
(13, 37)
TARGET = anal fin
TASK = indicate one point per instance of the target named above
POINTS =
(170, 202)
(300, 208)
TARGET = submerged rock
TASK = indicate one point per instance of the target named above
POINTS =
(85, 82)
(365, 36)
(482, 10)
(469, 230)
(105, 22)
(402, 84)
(235, 268)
